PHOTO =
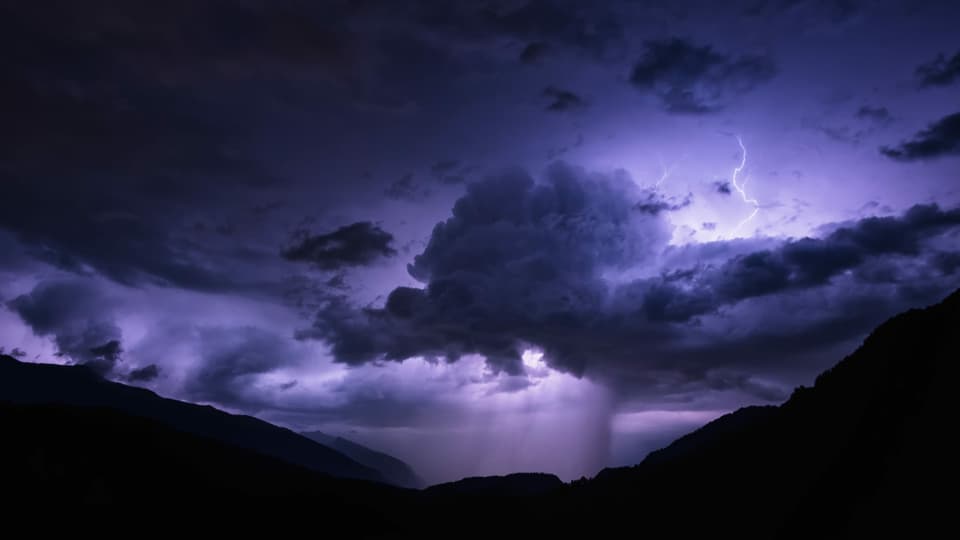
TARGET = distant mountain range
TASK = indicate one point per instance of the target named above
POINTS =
(511, 485)
(62, 455)
(393, 470)
(76, 386)
(868, 450)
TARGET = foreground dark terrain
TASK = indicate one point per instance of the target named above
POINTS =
(868, 447)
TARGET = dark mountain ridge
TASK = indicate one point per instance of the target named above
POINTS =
(510, 485)
(863, 448)
(394, 471)
(46, 384)
(868, 450)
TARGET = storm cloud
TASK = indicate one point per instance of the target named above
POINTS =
(525, 264)
(560, 100)
(144, 374)
(189, 186)
(78, 316)
(878, 115)
(941, 71)
(356, 244)
(534, 52)
(722, 187)
(406, 188)
(804, 263)
(654, 203)
(692, 79)
(939, 139)
(111, 145)
(232, 359)
(592, 29)
(515, 255)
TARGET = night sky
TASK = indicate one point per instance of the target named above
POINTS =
(484, 236)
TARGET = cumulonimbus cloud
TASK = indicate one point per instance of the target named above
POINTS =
(523, 263)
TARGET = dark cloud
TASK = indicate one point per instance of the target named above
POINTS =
(106, 356)
(841, 134)
(879, 115)
(516, 254)
(512, 384)
(807, 15)
(449, 171)
(692, 79)
(120, 94)
(378, 54)
(941, 71)
(99, 86)
(406, 188)
(942, 138)
(444, 166)
(85, 236)
(404, 67)
(557, 151)
(231, 359)
(523, 263)
(947, 262)
(722, 187)
(183, 41)
(77, 316)
(594, 29)
(144, 374)
(357, 244)
(534, 52)
(804, 263)
(871, 120)
(127, 123)
(562, 100)
(654, 203)
(121, 168)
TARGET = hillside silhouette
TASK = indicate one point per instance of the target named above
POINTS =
(393, 470)
(77, 386)
(864, 449)
(867, 450)
(511, 485)
(69, 454)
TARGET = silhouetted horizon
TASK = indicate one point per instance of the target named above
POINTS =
(859, 452)
(857, 375)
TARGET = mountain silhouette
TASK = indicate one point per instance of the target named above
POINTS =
(68, 454)
(862, 450)
(393, 470)
(511, 485)
(868, 450)
(46, 384)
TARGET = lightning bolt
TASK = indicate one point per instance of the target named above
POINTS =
(665, 173)
(741, 188)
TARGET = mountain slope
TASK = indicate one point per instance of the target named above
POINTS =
(865, 448)
(393, 470)
(138, 472)
(26, 384)
(867, 451)
(511, 485)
